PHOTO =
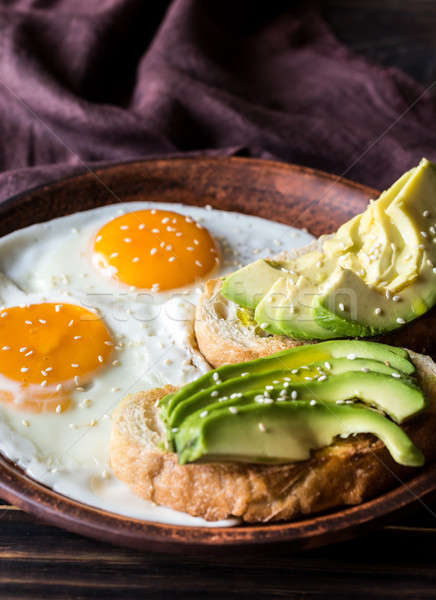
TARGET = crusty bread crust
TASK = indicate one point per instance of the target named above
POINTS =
(347, 472)
(221, 337)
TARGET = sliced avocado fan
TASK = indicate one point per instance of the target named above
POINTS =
(376, 274)
(323, 391)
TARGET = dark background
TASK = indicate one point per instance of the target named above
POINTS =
(38, 561)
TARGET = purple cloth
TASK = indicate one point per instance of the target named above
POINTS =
(84, 83)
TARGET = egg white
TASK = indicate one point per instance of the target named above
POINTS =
(154, 339)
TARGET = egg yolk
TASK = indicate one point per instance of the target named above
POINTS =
(47, 349)
(155, 249)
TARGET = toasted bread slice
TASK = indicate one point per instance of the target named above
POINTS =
(223, 338)
(347, 472)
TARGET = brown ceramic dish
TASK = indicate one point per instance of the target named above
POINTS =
(294, 195)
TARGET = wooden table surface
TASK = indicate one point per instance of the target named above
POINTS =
(398, 561)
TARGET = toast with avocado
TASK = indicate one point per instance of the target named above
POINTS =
(374, 278)
(300, 431)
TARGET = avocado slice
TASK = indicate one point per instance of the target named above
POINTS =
(285, 432)
(294, 358)
(397, 396)
(344, 308)
(377, 273)
(287, 309)
(248, 285)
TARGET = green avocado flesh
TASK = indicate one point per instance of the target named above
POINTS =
(374, 275)
(323, 390)
(294, 358)
(286, 432)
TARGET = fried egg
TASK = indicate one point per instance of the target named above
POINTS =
(99, 304)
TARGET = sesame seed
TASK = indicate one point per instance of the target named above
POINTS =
(322, 378)
(233, 410)
(99, 238)
(77, 337)
(44, 383)
(124, 227)
(204, 413)
(259, 399)
(294, 394)
(71, 323)
(215, 375)
(171, 259)
(115, 389)
(59, 387)
(24, 369)
(308, 378)
(59, 409)
(42, 321)
(286, 384)
(396, 375)
(245, 374)
(426, 214)
(396, 298)
(378, 310)
(400, 321)
(424, 234)
(25, 422)
(263, 325)
(100, 358)
(29, 353)
(135, 259)
(93, 422)
(388, 294)
(114, 254)
(58, 307)
(76, 379)
(116, 363)
(165, 220)
(75, 365)
(312, 402)
(269, 387)
(23, 349)
(214, 394)
(4, 314)
(262, 427)
(141, 226)
(153, 251)
(341, 306)
(190, 248)
(327, 365)
(198, 263)
(127, 240)
(174, 429)
(6, 348)
(351, 356)
(365, 369)
(27, 322)
(108, 343)
(294, 371)
(434, 270)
